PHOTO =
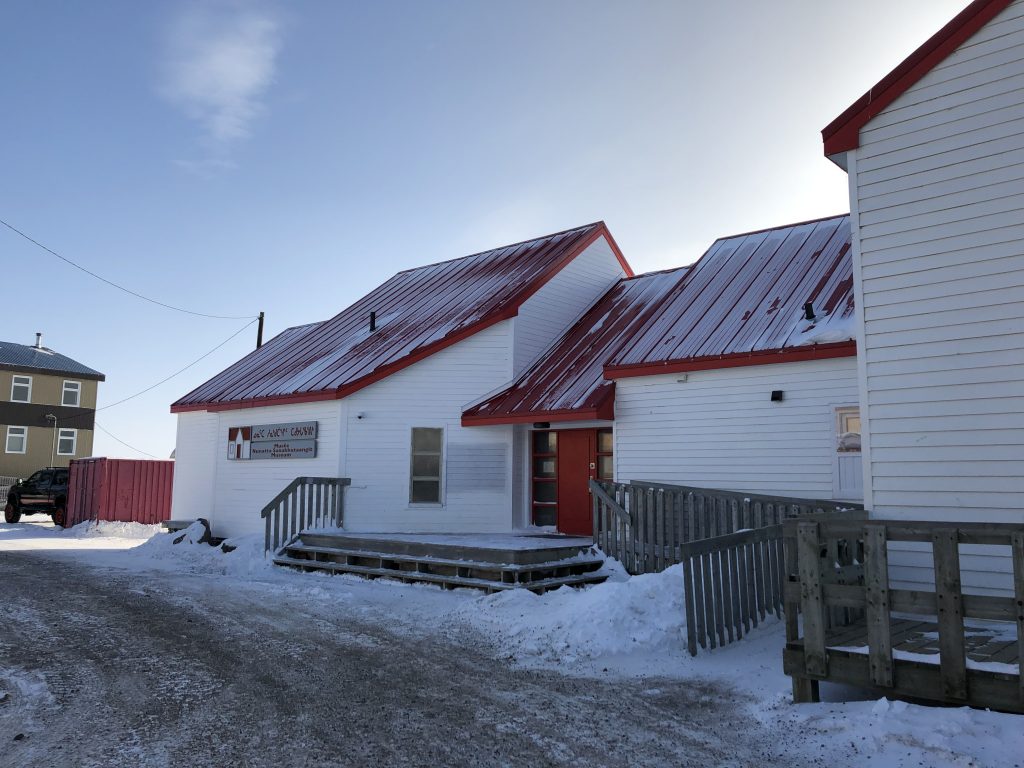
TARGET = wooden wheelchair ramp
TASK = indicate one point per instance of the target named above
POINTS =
(945, 645)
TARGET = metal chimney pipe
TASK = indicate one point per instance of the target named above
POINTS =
(39, 341)
(373, 322)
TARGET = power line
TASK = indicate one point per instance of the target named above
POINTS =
(168, 378)
(178, 372)
(122, 442)
(121, 287)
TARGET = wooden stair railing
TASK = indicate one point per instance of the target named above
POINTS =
(306, 502)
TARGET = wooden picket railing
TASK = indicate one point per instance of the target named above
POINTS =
(813, 589)
(730, 545)
(731, 583)
(644, 525)
(306, 502)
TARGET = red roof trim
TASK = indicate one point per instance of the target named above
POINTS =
(603, 412)
(737, 360)
(843, 133)
(384, 371)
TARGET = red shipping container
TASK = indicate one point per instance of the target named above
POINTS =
(125, 490)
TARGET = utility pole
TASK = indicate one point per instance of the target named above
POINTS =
(259, 332)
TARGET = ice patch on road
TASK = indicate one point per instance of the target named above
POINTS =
(107, 529)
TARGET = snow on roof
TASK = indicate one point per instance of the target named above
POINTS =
(567, 382)
(744, 303)
(418, 312)
(24, 357)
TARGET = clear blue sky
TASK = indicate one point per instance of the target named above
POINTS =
(232, 157)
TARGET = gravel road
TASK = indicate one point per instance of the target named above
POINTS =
(107, 668)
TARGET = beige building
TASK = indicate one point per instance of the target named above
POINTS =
(47, 409)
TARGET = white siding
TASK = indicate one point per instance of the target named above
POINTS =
(546, 315)
(719, 429)
(478, 460)
(937, 191)
(243, 488)
(195, 466)
(521, 476)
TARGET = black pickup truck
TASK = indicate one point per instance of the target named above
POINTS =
(46, 491)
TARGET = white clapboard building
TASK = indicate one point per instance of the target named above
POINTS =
(481, 394)
(935, 157)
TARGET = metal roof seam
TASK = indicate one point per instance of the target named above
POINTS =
(432, 307)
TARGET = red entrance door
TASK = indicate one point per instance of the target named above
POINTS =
(577, 452)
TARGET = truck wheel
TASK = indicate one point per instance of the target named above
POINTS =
(60, 516)
(11, 513)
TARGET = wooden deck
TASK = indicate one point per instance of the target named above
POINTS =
(489, 562)
(992, 660)
(844, 623)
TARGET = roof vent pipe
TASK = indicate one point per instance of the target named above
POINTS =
(809, 310)
(39, 341)
(373, 322)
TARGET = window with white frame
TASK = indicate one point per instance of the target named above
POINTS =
(72, 394)
(17, 440)
(21, 389)
(425, 465)
(67, 441)
(848, 429)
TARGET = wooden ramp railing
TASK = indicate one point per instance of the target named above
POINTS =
(812, 588)
(730, 546)
(644, 525)
(731, 583)
(306, 502)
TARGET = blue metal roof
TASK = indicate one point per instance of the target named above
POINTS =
(23, 357)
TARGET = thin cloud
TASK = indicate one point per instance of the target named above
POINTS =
(219, 63)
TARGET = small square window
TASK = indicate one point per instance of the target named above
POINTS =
(67, 441)
(17, 440)
(545, 516)
(545, 491)
(72, 394)
(545, 442)
(21, 389)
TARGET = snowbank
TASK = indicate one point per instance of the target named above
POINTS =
(185, 550)
(624, 615)
(894, 734)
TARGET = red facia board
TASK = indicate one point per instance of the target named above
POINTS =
(843, 133)
(122, 490)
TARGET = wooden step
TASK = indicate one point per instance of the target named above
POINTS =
(452, 547)
(582, 561)
(447, 581)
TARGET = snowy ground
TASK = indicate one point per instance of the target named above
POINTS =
(595, 675)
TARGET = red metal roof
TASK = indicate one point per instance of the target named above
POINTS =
(843, 133)
(567, 382)
(742, 304)
(419, 312)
